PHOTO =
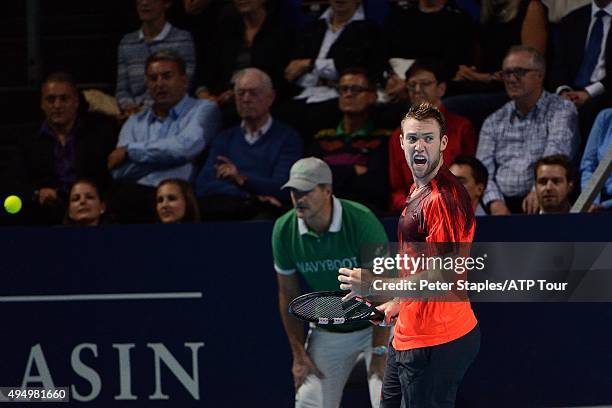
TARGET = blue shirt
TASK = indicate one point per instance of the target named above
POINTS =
(161, 148)
(265, 163)
(510, 143)
(598, 144)
(132, 56)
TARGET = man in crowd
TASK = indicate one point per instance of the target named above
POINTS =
(356, 150)
(473, 175)
(582, 70)
(554, 182)
(426, 82)
(248, 164)
(314, 239)
(160, 142)
(71, 144)
(595, 151)
(534, 124)
(155, 34)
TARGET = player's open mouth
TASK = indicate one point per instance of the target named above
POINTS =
(420, 160)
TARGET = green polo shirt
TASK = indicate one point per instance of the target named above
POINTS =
(318, 257)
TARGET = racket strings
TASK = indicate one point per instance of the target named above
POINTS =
(330, 307)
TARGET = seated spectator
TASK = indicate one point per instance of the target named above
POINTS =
(504, 23)
(582, 70)
(253, 35)
(557, 9)
(534, 124)
(340, 39)
(154, 35)
(71, 144)
(450, 37)
(176, 203)
(85, 206)
(597, 147)
(248, 164)
(356, 150)
(474, 176)
(554, 182)
(160, 142)
(426, 82)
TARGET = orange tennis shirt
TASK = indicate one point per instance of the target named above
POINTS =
(440, 212)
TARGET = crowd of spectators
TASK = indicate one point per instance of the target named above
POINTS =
(210, 120)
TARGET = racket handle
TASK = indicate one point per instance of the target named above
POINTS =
(378, 316)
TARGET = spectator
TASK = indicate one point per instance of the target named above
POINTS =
(426, 82)
(254, 35)
(557, 9)
(71, 144)
(474, 176)
(582, 70)
(249, 163)
(339, 39)
(86, 206)
(314, 239)
(356, 150)
(154, 35)
(554, 182)
(534, 124)
(478, 90)
(597, 147)
(450, 37)
(176, 203)
(162, 141)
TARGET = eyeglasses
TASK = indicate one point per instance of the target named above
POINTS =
(356, 89)
(517, 72)
(254, 93)
(412, 86)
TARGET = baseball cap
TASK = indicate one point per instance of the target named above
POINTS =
(307, 173)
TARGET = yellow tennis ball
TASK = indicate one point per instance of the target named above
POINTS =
(12, 204)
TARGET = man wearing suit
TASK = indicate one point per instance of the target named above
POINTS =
(582, 72)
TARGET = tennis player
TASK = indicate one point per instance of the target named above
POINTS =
(320, 235)
(434, 342)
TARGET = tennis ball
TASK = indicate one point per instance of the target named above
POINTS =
(12, 204)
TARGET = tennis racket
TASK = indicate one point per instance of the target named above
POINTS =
(328, 308)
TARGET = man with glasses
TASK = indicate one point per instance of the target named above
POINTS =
(319, 236)
(249, 163)
(426, 82)
(356, 150)
(534, 124)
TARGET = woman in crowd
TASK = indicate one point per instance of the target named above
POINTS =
(253, 34)
(176, 202)
(504, 23)
(85, 205)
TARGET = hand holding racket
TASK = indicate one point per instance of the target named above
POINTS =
(330, 308)
(350, 279)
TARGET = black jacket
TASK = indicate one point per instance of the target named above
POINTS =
(568, 56)
(269, 52)
(357, 46)
(95, 139)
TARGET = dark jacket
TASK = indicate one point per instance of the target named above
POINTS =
(269, 52)
(568, 56)
(95, 139)
(357, 46)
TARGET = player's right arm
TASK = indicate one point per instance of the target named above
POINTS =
(289, 289)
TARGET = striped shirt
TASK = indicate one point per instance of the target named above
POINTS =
(132, 56)
(510, 143)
